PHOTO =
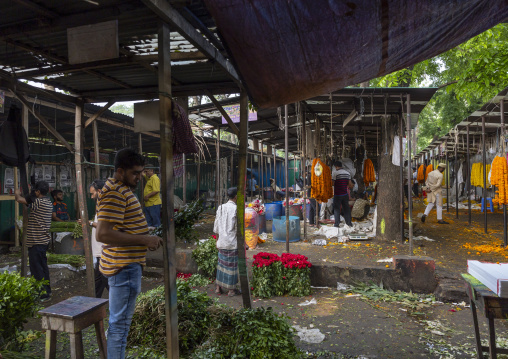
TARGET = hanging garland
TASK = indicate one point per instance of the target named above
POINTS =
(499, 178)
(477, 175)
(429, 169)
(369, 175)
(421, 176)
(321, 179)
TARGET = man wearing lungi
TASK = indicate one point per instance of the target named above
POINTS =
(225, 228)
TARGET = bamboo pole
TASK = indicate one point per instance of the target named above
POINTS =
(286, 174)
(83, 210)
(409, 175)
(484, 161)
(242, 170)
(168, 186)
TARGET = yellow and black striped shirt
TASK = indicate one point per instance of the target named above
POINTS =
(37, 232)
(118, 204)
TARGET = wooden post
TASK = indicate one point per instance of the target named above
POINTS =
(198, 175)
(468, 177)
(168, 187)
(456, 184)
(24, 248)
(250, 183)
(96, 149)
(16, 210)
(503, 147)
(305, 184)
(240, 202)
(184, 183)
(82, 193)
(409, 175)
(447, 174)
(484, 161)
(261, 174)
(286, 173)
(142, 179)
(274, 171)
(217, 170)
(401, 174)
(232, 168)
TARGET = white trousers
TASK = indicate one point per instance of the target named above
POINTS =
(439, 210)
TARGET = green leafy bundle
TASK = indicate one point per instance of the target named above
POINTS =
(74, 260)
(206, 256)
(185, 219)
(77, 231)
(19, 301)
(209, 330)
(62, 226)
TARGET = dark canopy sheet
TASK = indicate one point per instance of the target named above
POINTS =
(292, 50)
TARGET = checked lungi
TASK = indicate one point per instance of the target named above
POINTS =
(227, 268)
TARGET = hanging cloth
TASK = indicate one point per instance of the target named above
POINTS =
(178, 165)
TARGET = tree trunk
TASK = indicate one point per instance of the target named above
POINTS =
(388, 190)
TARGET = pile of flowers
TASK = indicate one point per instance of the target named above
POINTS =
(257, 205)
(276, 275)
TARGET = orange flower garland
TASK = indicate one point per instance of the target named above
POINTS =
(499, 178)
(369, 175)
(420, 177)
(429, 169)
(322, 189)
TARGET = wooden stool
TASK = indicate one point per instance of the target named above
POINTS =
(72, 316)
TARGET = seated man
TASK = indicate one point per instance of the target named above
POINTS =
(361, 207)
(60, 213)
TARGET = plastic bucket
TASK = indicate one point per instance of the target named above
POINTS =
(262, 223)
(272, 210)
(296, 210)
(279, 229)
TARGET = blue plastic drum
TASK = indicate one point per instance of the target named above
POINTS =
(272, 210)
(279, 229)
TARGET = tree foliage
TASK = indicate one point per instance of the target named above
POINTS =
(467, 76)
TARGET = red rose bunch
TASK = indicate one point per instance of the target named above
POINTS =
(264, 259)
(183, 276)
(214, 236)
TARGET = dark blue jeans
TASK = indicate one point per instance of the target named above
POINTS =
(39, 265)
(342, 202)
(153, 215)
(124, 287)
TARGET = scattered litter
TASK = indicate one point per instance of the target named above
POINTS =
(319, 242)
(68, 266)
(263, 236)
(329, 232)
(385, 260)
(404, 310)
(203, 240)
(342, 286)
(420, 238)
(9, 269)
(319, 287)
(312, 336)
(352, 295)
(311, 325)
(307, 302)
(437, 332)
(343, 239)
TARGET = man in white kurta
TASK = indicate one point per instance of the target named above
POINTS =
(434, 186)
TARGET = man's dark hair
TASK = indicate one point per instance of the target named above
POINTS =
(43, 187)
(98, 184)
(337, 164)
(55, 192)
(127, 158)
(232, 192)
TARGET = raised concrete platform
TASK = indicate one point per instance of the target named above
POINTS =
(416, 274)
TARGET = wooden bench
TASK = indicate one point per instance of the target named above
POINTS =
(72, 316)
(492, 307)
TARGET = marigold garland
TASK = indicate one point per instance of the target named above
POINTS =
(369, 175)
(477, 175)
(499, 178)
(421, 176)
(322, 189)
(429, 169)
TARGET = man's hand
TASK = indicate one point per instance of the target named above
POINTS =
(17, 192)
(153, 242)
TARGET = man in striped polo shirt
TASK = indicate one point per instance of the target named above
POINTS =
(341, 182)
(37, 233)
(123, 230)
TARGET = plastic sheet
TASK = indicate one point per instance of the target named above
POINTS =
(288, 51)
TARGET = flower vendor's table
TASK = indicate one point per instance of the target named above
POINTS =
(492, 307)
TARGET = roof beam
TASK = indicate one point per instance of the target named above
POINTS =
(233, 127)
(99, 113)
(9, 82)
(42, 120)
(63, 61)
(38, 9)
(170, 15)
